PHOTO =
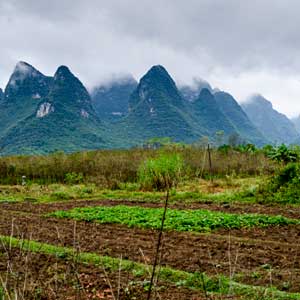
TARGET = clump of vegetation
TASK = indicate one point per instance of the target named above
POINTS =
(161, 173)
(180, 220)
(284, 187)
(73, 178)
(60, 195)
(110, 168)
(282, 153)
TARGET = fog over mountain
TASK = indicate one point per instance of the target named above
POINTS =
(238, 46)
(43, 114)
(273, 124)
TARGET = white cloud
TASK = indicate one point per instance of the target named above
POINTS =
(239, 46)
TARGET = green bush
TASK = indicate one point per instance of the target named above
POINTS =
(73, 178)
(160, 173)
(283, 154)
(284, 187)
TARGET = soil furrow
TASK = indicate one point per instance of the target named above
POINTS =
(215, 253)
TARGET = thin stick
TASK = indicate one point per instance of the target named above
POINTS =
(210, 163)
(119, 278)
(158, 244)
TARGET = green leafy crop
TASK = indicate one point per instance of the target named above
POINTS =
(180, 220)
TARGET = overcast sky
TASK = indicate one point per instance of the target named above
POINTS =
(243, 47)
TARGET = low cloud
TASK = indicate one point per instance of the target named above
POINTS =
(239, 46)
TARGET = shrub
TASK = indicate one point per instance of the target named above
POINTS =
(160, 173)
(284, 187)
(73, 178)
(283, 154)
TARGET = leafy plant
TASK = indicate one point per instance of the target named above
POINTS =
(161, 173)
(283, 154)
(73, 178)
(180, 220)
(284, 187)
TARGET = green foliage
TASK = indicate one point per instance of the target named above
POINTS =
(161, 173)
(60, 195)
(224, 149)
(242, 148)
(284, 187)
(250, 148)
(73, 178)
(111, 168)
(287, 175)
(283, 154)
(200, 281)
(180, 220)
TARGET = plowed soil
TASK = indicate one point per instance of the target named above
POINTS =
(51, 278)
(269, 256)
(287, 211)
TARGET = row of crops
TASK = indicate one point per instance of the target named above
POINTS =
(180, 220)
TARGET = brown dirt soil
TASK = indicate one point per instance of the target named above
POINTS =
(287, 211)
(258, 254)
(47, 277)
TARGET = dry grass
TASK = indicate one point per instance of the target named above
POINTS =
(110, 168)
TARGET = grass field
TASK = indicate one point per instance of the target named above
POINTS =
(88, 241)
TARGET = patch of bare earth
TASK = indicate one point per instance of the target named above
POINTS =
(264, 256)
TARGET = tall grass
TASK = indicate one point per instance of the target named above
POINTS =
(110, 167)
(161, 173)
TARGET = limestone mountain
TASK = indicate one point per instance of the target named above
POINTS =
(156, 109)
(22, 94)
(111, 100)
(208, 115)
(276, 127)
(41, 114)
(63, 119)
(239, 119)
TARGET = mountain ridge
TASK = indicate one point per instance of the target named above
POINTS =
(61, 119)
(274, 125)
(42, 114)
